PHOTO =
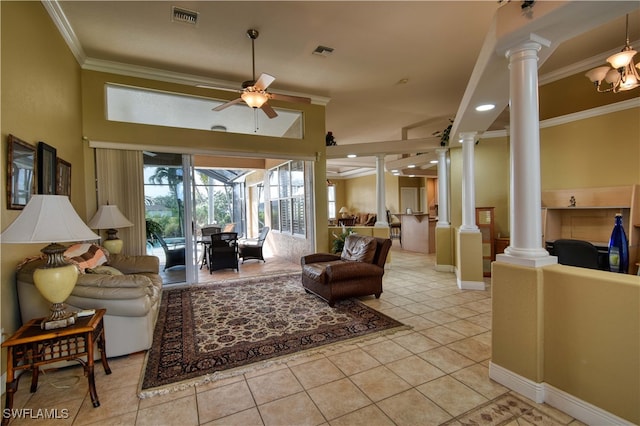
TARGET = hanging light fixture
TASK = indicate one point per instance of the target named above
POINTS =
(623, 76)
(254, 97)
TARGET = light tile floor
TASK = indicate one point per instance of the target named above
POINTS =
(433, 374)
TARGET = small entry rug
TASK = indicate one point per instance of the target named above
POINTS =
(208, 331)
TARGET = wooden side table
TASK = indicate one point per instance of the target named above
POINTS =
(31, 347)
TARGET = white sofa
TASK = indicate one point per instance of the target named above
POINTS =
(132, 300)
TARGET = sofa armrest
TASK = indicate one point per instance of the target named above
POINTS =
(135, 264)
(318, 257)
(345, 270)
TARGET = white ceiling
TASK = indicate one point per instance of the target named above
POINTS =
(432, 44)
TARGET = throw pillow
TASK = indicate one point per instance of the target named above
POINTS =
(359, 248)
(103, 270)
(371, 219)
(86, 256)
(395, 219)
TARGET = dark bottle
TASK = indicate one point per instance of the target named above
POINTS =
(618, 248)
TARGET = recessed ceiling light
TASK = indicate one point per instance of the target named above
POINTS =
(351, 156)
(411, 166)
(433, 161)
(394, 171)
(403, 81)
(485, 107)
(412, 175)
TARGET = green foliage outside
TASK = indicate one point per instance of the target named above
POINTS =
(169, 218)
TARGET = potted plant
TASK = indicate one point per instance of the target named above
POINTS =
(338, 243)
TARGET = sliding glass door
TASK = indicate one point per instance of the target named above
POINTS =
(168, 212)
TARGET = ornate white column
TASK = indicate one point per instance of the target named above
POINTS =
(468, 182)
(381, 201)
(525, 190)
(443, 189)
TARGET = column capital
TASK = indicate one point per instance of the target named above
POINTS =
(442, 151)
(468, 136)
(531, 42)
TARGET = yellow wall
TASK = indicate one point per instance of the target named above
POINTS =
(599, 151)
(573, 328)
(360, 194)
(40, 101)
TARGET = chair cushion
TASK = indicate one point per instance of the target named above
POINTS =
(359, 248)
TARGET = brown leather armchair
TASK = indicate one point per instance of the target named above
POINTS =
(356, 272)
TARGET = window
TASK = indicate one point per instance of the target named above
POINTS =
(286, 191)
(331, 197)
(146, 106)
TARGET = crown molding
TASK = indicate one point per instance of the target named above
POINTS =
(576, 116)
(66, 31)
(578, 67)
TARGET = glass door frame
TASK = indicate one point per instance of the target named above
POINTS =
(191, 249)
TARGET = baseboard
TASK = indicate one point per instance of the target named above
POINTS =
(445, 268)
(525, 387)
(470, 285)
(579, 409)
(544, 392)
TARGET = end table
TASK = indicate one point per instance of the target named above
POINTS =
(31, 347)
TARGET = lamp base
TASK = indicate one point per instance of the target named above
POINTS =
(58, 318)
(113, 246)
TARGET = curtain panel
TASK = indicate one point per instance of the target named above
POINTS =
(120, 182)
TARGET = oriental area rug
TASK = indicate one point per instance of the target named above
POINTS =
(206, 332)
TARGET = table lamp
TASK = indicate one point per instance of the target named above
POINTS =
(344, 212)
(109, 217)
(45, 219)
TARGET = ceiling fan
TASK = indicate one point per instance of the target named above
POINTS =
(254, 92)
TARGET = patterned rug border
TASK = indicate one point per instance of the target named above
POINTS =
(224, 374)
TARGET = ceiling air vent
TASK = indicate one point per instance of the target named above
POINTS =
(323, 51)
(183, 15)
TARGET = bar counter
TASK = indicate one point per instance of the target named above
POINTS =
(416, 232)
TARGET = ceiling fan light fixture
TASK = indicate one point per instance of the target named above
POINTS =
(254, 98)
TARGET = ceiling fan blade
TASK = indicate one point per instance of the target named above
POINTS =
(268, 110)
(264, 81)
(289, 98)
(227, 105)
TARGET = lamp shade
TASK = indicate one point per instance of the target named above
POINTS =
(255, 99)
(343, 210)
(46, 219)
(109, 217)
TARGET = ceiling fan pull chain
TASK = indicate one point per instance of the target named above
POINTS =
(255, 120)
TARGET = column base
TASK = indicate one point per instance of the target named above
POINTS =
(531, 262)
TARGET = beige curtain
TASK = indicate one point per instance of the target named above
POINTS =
(120, 181)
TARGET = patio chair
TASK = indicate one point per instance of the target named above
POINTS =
(223, 252)
(252, 248)
(174, 256)
(205, 240)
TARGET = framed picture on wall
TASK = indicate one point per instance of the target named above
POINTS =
(46, 169)
(63, 177)
(21, 171)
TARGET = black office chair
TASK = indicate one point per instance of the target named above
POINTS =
(576, 253)
(223, 252)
